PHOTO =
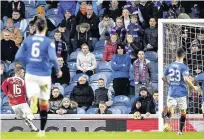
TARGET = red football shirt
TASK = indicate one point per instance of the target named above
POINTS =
(14, 88)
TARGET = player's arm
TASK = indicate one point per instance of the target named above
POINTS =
(189, 82)
(20, 53)
(164, 78)
(53, 57)
(5, 87)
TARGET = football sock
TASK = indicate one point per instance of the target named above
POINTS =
(43, 116)
(182, 122)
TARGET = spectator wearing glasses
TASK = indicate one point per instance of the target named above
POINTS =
(82, 93)
(86, 61)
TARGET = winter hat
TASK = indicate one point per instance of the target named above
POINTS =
(143, 88)
(40, 9)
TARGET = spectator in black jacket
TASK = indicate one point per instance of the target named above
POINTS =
(82, 93)
(67, 107)
(17, 5)
(61, 47)
(150, 40)
(82, 11)
(103, 108)
(41, 14)
(102, 94)
(92, 19)
(114, 10)
(146, 99)
(82, 36)
(55, 100)
(65, 79)
(8, 48)
(136, 107)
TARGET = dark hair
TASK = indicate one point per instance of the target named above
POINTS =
(16, 10)
(84, 45)
(31, 23)
(18, 69)
(120, 45)
(41, 24)
(106, 16)
(180, 52)
(102, 102)
(155, 91)
(154, 18)
(57, 31)
(101, 79)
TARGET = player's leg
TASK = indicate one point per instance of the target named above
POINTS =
(33, 91)
(45, 88)
(28, 116)
(182, 103)
(170, 108)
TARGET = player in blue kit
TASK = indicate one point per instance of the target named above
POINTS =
(38, 54)
(178, 74)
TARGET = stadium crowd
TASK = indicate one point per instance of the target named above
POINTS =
(107, 51)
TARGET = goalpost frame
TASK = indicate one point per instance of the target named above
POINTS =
(161, 59)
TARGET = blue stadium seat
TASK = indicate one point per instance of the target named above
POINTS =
(154, 67)
(2, 25)
(92, 111)
(72, 69)
(55, 19)
(151, 55)
(30, 12)
(11, 66)
(108, 74)
(121, 99)
(94, 86)
(2, 95)
(61, 88)
(100, 44)
(41, 3)
(104, 66)
(155, 85)
(29, 3)
(115, 111)
(6, 66)
(73, 56)
(6, 111)
(76, 77)
(68, 90)
(95, 77)
(80, 111)
(98, 54)
(51, 33)
(127, 111)
(155, 77)
(53, 11)
(133, 99)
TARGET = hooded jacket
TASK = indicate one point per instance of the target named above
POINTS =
(54, 103)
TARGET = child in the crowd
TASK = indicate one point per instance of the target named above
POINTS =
(67, 107)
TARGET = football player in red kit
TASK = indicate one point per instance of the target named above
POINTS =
(14, 88)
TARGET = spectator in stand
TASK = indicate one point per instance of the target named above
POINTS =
(86, 61)
(136, 107)
(82, 11)
(8, 48)
(156, 100)
(19, 21)
(3, 74)
(83, 35)
(41, 14)
(146, 99)
(67, 107)
(102, 94)
(16, 5)
(142, 72)
(121, 64)
(5, 10)
(175, 9)
(64, 5)
(82, 93)
(132, 47)
(68, 29)
(55, 100)
(126, 17)
(31, 31)
(14, 33)
(51, 4)
(105, 27)
(103, 108)
(65, 79)
(92, 19)
(114, 10)
(61, 47)
(135, 29)
(119, 29)
(150, 40)
(110, 47)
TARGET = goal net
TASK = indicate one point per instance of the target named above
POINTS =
(188, 34)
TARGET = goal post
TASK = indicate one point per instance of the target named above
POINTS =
(171, 34)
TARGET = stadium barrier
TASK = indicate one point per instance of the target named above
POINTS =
(98, 123)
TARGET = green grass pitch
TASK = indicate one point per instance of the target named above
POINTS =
(103, 135)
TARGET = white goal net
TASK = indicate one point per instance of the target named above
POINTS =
(188, 34)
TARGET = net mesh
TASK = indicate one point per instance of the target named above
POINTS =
(191, 38)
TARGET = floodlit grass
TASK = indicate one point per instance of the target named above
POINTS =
(104, 135)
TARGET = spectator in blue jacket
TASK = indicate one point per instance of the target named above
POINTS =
(120, 64)
(64, 5)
